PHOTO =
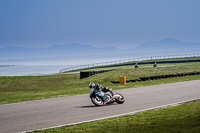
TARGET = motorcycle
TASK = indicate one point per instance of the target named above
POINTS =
(109, 97)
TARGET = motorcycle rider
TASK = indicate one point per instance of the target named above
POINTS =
(99, 90)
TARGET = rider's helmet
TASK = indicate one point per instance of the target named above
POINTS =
(91, 85)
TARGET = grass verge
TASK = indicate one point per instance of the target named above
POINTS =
(184, 118)
(127, 64)
(28, 88)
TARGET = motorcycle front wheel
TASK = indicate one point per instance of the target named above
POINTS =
(97, 101)
(120, 99)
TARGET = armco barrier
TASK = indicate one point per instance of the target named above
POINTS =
(160, 77)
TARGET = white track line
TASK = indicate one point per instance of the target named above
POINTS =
(134, 112)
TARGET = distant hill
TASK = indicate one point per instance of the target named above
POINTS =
(168, 44)
(54, 50)
(165, 45)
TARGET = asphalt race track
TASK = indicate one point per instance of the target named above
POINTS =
(27, 116)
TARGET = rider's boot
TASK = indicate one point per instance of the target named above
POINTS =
(109, 101)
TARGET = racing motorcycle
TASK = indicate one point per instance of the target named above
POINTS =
(109, 97)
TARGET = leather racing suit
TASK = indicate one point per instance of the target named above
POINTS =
(99, 90)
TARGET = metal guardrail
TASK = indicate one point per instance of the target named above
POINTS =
(127, 60)
(34, 74)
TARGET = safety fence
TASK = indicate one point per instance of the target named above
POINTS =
(126, 61)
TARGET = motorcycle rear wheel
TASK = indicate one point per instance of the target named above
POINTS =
(97, 101)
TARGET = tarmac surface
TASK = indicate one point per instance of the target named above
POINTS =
(40, 114)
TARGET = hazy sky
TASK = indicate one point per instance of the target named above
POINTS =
(120, 23)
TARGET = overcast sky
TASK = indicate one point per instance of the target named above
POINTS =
(119, 23)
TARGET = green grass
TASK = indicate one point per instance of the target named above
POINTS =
(184, 118)
(28, 88)
(141, 66)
